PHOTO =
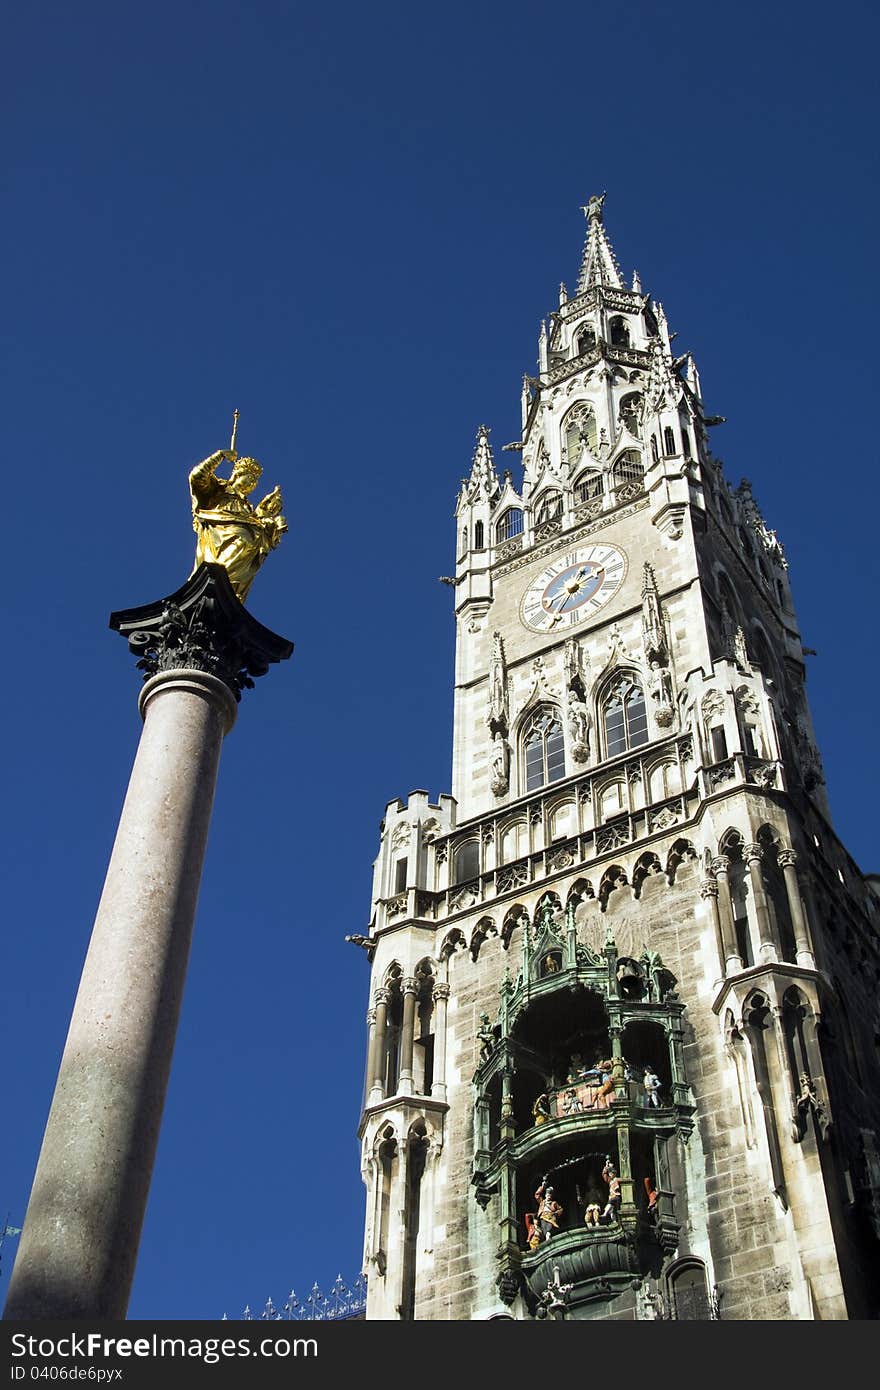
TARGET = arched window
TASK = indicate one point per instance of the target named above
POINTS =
(579, 432)
(549, 507)
(589, 486)
(685, 438)
(669, 440)
(467, 861)
(586, 340)
(478, 536)
(624, 716)
(619, 332)
(510, 524)
(543, 749)
(665, 780)
(628, 472)
(655, 452)
(631, 413)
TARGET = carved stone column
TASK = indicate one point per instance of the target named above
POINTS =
(371, 1053)
(381, 1000)
(198, 650)
(405, 1079)
(787, 859)
(441, 999)
(732, 959)
(709, 893)
(768, 946)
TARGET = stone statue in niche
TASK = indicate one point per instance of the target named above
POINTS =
(660, 688)
(497, 716)
(653, 629)
(575, 667)
(579, 722)
(500, 764)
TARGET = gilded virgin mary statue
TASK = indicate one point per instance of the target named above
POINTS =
(230, 530)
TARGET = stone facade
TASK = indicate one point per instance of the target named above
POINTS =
(636, 861)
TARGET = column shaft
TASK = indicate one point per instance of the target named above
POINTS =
(405, 1079)
(83, 1223)
(802, 942)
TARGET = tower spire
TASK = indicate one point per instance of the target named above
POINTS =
(598, 263)
(484, 478)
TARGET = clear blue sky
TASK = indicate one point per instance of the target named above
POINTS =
(347, 221)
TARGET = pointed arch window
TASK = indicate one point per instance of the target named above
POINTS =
(549, 507)
(579, 432)
(510, 524)
(478, 535)
(631, 413)
(628, 472)
(586, 340)
(588, 486)
(669, 440)
(543, 749)
(619, 332)
(624, 716)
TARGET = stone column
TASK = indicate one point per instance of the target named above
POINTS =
(83, 1223)
(768, 946)
(709, 893)
(405, 1078)
(441, 999)
(382, 998)
(732, 959)
(371, 1054)
(787, 859)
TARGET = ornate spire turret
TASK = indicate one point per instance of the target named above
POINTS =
(599, 263)
(484, 478)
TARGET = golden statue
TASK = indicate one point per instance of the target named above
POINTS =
(230, 530)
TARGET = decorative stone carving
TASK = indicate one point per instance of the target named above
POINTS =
(712, 704)
(395, 907)
(575, 665)
(513, 876)
(653, 626)
(560, 859)
(498, 714)
(500, 765)
(401, 837)
(662, 819)
(579, 725)
(431, 828)
(463, 897)
(660, 689)
(201, 627)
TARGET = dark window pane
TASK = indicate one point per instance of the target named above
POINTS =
(719, 743)
(400, 875)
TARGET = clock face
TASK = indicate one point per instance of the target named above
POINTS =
(573, 588)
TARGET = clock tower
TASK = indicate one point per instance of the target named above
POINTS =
(622, 1054)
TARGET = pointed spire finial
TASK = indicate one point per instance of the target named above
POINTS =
(598, 263)
(483, 477)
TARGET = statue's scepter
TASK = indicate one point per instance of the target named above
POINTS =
(234, 433)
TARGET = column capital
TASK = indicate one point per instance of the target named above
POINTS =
(752, 852)
(410, 985)
(720, 864)
(201, 627)
(786, 858)
(371, 1017)
(382, 996)
(709, 888)
(442, 991)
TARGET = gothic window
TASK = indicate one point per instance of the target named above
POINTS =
(630, 413)
(619, 332)
(669, 440)
(510, 524)
(624, 716)
(543, 749)
(478, 536)
(514, 841)
(467, 861)
(665, 781)
(685, 439)
(612, 800)
(549, 507)
(579, 432)
(589, 486)
(718, 743)
(628, 470)
(400, 869)
(586, 340)
(655, 452)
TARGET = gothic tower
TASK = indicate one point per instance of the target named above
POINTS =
(622, 1044)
